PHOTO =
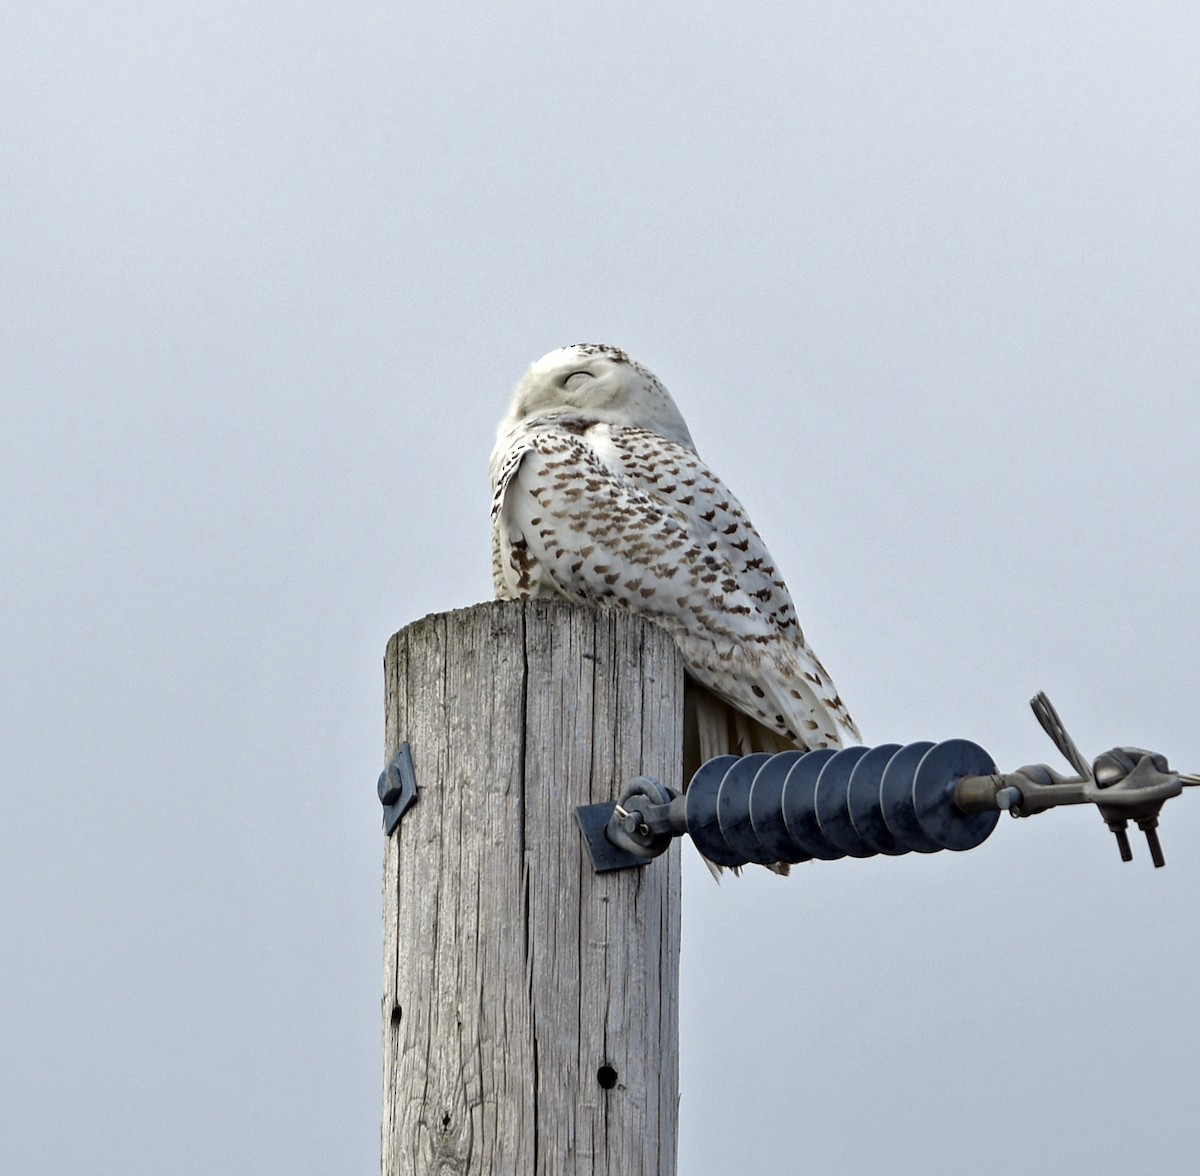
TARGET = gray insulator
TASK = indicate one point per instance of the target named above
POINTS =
(833, 803)
(856, 802)
(800, 809)
(766, 809)
(733, 809)
(865, 804)
(703, 821)
(896, 799)
(937, 776)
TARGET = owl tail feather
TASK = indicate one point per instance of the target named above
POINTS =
(711, 727)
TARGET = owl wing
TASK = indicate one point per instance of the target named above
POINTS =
(617, 516)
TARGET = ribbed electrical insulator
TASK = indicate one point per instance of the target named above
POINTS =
(855, 802)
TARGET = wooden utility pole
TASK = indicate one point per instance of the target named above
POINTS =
(530, 1004)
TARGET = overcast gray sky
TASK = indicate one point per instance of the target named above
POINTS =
(923, 279)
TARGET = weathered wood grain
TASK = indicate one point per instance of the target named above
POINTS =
(513, 973)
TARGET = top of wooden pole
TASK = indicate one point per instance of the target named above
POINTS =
(530, 1019)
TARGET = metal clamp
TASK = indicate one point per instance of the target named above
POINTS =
(1125, 784)
(397, 788)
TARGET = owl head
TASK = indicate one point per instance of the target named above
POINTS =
(599, 382)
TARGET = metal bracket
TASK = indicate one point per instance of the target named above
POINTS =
(397, 788)
(635, 830)
(593, 821)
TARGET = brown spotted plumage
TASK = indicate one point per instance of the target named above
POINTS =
(600, 497)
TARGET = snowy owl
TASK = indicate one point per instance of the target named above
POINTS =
(600, 497)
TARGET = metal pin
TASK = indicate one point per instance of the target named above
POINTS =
(1156, 853)
(1122, 841)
